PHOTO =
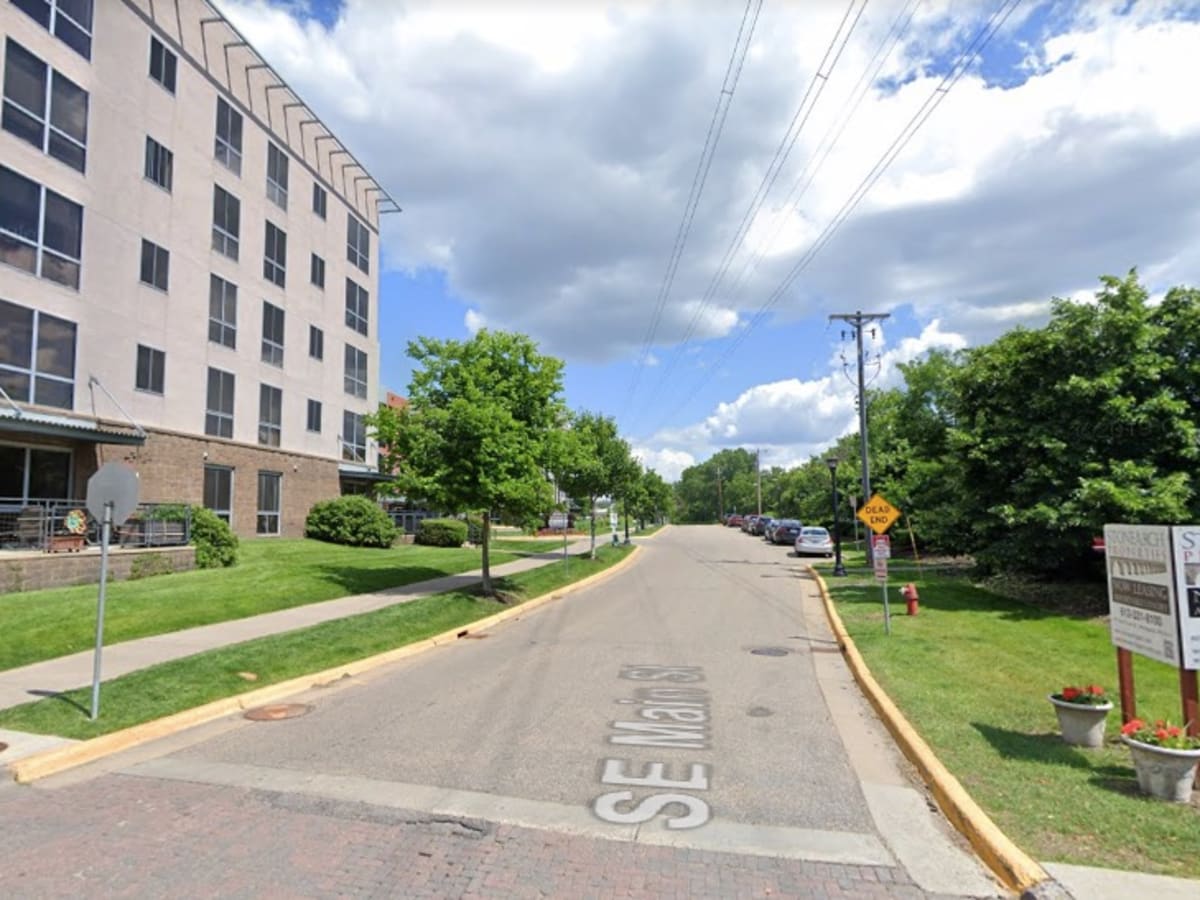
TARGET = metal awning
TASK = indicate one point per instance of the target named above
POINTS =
(362, 473)
(93, 431)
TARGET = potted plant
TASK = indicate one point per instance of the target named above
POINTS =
(1164, 757)
(1082, 712)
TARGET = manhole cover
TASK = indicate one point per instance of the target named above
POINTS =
(770, 651)
(759, 712)
(278, 711)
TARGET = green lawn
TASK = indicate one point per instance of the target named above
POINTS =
(971, 672)
(185, 683)
(270, 575)
(525, 546)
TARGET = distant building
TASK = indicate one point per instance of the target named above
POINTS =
(189, 267)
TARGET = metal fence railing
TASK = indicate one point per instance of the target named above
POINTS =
(65, 525)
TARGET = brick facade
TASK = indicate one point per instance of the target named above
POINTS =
(33, 572)
(171, 469)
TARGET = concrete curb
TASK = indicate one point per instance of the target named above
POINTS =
(1010, 864)
(60, 759)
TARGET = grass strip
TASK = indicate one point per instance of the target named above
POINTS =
(194, 680)
(971, 673)
(270, 575)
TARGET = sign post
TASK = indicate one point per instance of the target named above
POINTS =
(879, 516)
(112, 494)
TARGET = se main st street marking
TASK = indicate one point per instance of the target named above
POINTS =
(669, 712)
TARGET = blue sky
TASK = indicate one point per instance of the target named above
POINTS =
(543, 156)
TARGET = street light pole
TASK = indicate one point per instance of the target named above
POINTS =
(838, 568)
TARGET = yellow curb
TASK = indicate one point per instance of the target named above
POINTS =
(650, 537)
(60, 759)
(1010, 863)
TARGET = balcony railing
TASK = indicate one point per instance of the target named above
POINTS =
(65, 525)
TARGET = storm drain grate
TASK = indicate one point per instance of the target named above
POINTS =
(277, 711)
(770, 651)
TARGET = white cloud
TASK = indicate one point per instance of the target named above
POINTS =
(474, 321)
(544, 155)
(667, 463)
(793, 419)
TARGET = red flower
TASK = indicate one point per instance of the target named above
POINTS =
(1161, 733)
(1095, 690)
(1070, 693)
(1174, 731)
(1133, 725)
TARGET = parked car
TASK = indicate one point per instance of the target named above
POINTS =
(786, 531)
(748, 523)
(813, 541)
(733, 521)
(760, 526)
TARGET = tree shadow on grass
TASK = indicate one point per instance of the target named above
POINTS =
(1048, 748)
(354, 580)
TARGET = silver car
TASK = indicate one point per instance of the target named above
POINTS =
(813, 541)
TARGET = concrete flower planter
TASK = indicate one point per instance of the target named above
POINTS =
(1164, 773)
(1081, 724)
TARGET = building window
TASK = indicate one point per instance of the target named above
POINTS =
(354, 437)
(156, 263)
(318, 272)
(150, 366)
(43, 107)
(222, 312)
(37, 357)
(356, 372)
(268, 502)
(218, 412)
(270, 415)
(275, 256)
(277, 176)
(160, 164)
(316, 342)
(40, 231)
(227, 222)
(358, 243)
(32, 473)
(228, 150)
(218, 491)
(68, 20)
(358, 305)
(320, 200)
(162, 64)
(272, 335)
(314, 415)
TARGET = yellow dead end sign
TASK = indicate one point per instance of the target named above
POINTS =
(878, 514)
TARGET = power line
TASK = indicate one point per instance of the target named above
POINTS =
(957, 70)
(733, 73)
(799, 119)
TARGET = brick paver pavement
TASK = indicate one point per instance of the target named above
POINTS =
(122, 836)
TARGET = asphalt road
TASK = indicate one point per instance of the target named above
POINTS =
(685, 728)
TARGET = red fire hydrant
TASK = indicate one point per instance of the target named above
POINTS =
(911, 597)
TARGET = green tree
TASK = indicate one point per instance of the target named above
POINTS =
(1064, 428)
(696, 493)
(592, 460)
(476, 435)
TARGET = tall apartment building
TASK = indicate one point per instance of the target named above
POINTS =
(188, 267)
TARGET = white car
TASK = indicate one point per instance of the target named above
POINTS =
(813, 541)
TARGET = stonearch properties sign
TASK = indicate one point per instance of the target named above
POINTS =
(1154, 591)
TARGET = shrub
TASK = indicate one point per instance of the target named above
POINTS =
(216, 544)
(355, 520)
(441, 533)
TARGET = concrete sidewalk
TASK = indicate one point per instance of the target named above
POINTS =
(64, 673)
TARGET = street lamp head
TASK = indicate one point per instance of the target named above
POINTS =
(832, 462)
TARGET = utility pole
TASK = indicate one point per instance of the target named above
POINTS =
(758, 476)
(857, 320)
(720, 500)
